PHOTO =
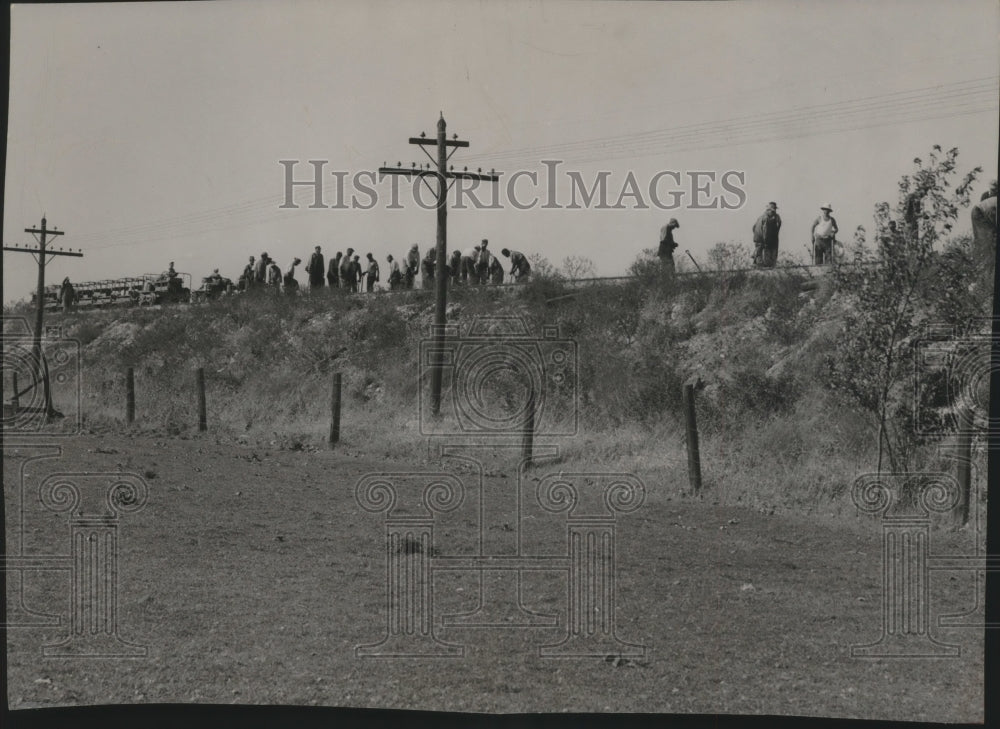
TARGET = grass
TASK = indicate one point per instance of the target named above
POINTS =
(771, 432)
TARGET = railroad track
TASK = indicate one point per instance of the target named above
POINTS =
(814, 273)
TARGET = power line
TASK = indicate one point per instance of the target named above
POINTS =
(917, 96)
(699, 145)
(985, 84)
(964, 98)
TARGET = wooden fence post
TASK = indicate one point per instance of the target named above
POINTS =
(202, 412)
(694, 459)
(130, 396)
(335, 410)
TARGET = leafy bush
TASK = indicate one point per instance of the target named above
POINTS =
(874, 357)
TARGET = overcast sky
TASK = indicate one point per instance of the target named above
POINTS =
(153, 132)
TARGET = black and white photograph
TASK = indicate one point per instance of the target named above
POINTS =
(499, 359)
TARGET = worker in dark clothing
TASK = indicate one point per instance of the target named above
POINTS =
(483, 263)
(468, 266)
(412, 265)
(316, 268)
(668, 245)
(346, 269)
(260, 269)
(273, 274)
(170, 274)
(67, 295)
(427, 269)
(496, 271)
(765, 237)
(371, 274)
(455, 267)
(520, 269)
(288, 282)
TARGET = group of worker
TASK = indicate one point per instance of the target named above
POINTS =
(474, 265)
(765, 238)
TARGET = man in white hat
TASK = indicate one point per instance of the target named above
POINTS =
(824, 233)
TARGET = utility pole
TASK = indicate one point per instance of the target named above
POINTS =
(440, 279)
(41, 256)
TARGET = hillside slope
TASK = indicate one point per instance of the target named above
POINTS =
(774, 435)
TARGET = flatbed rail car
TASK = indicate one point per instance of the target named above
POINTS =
(147, 289)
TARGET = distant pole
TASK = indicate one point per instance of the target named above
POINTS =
(130, 396)
(529, 428)
(42, 255)
(202, 412)
(694, 460)
(44, 232)
(335, 410)
(964, 474)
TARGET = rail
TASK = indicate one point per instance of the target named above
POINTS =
(152, 289)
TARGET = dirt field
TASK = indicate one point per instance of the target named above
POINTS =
(252, 574)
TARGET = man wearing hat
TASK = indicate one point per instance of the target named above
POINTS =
(667, 244)
(765, 237)
(824, 233)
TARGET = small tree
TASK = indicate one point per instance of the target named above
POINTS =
(729, 256)
(575, 267)
(874, 353)
(542, 268)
